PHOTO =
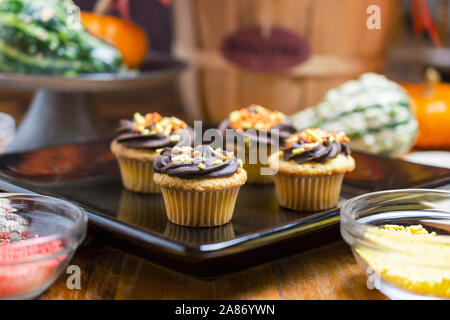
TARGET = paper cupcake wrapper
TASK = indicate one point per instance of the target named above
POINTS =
(200, 208)
(137, 175)
(308, 193)
(143, 210)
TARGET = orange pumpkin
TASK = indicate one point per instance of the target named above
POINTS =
(431, 104)
(128, 37)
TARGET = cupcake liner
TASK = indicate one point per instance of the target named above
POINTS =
(200, 208)
(308, 193)
(137, 175)
(142, 210)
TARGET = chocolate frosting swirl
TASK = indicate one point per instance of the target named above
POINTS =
(322, 153)
(196, 163)
(284, 129)
(131, 138)
(315, 145)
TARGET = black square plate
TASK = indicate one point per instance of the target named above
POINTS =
(260, 231)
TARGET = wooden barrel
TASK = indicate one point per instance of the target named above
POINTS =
(341, 45)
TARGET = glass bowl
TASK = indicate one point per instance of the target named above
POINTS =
(38, 235)
(402, 265)
(7, 128)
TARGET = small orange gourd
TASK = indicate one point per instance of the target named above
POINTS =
(431, 101)
(128, 37)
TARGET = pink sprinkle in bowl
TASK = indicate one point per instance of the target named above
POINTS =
(38, 237)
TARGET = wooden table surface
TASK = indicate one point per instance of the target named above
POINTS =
(328, 272)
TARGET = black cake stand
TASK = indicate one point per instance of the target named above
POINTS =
(63, 111)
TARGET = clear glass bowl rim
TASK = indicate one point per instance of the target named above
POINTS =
(77, 231)
(358, 229)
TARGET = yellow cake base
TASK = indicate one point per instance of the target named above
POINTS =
(308, 193)
(137, 175)
(200, 208)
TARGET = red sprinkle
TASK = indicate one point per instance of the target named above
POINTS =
(20, 278)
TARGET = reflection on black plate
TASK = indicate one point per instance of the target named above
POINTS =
(260, 230)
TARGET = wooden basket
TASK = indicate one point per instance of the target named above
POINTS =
(342, 48)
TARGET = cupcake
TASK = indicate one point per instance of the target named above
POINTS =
(252, 133)
(310, 168)
(136, 144)
(199, 185)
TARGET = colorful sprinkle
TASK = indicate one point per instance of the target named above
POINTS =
(153, 123)
(298, 151)
(313, 137)
(175, 138)
(256, 117)
(139, 118)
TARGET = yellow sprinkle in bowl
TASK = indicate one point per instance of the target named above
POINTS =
(401, 240)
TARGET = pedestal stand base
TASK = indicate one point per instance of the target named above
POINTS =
(56, 118)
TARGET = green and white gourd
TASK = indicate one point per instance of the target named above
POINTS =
(46, 37)
(373, 111)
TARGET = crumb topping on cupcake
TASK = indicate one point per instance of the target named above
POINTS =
(256, 117)
(259, 119)
(315, 145)
(153, 131)
(196, 163)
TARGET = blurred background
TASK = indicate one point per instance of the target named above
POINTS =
(413, 36)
